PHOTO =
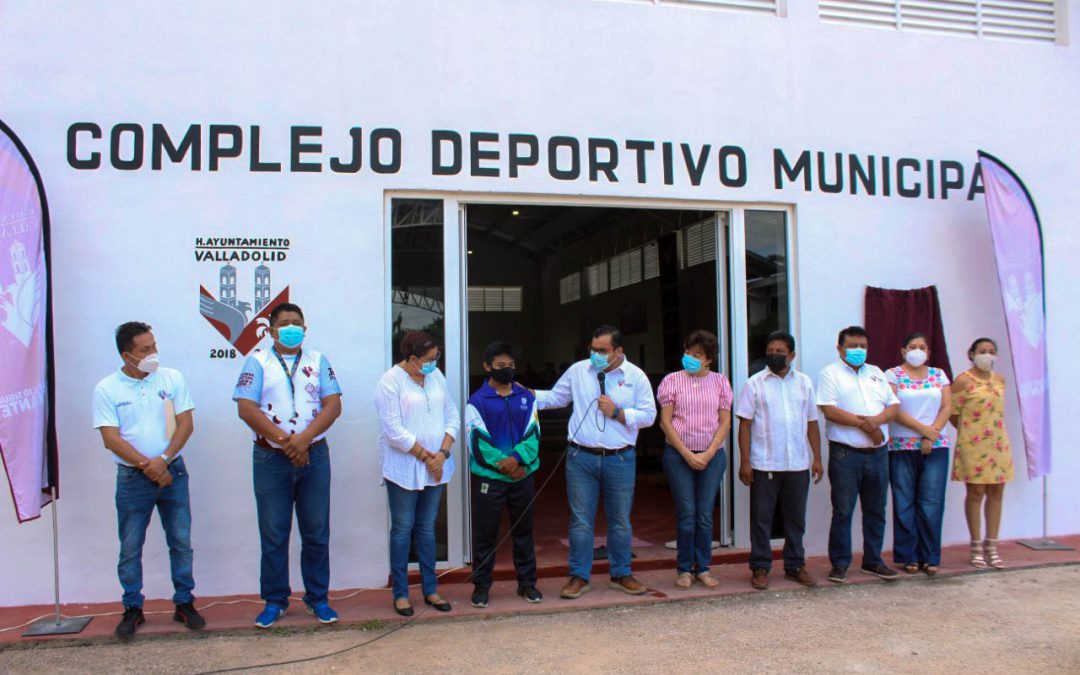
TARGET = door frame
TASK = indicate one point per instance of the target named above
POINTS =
(731, 321)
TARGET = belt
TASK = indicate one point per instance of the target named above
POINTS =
(262, 443)
(865, 451)
(601, 452)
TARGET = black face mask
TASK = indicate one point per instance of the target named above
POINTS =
(503, 375)
(776, 362)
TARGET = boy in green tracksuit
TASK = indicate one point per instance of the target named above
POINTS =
(504, 445)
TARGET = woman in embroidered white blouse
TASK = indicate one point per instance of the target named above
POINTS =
(419, 422)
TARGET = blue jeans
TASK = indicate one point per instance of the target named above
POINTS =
(281, 488)
(412, 520)
(694, 493)
(918, 489)
(136, 497)
(587, 477)
(864, 477)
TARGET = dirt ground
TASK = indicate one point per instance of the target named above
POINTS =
(1024, 621)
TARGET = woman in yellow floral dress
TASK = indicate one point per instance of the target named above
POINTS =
(983, 458)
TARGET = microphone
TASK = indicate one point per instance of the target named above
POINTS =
(600, 377)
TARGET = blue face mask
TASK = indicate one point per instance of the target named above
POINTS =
(691, 364)
(599, 361)
(429, 367)
(290, 336)
(855, 356)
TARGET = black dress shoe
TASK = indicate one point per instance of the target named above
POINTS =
(403, 611)
(132, 619)
(441, 605)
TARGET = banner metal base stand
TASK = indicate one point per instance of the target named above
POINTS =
(1045, 543)
(58, 625)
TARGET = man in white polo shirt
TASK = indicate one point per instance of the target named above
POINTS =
(612, 399)
(144, 414)
(779, 449)
(858, 403)
(289, 396)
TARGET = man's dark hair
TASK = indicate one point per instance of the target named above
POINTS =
(914, 336)
(416, 343)
(616, 335)
(786, 338)
(284, 307)
(127, 332)
(499, 348)
(851, 331)
(708, 343)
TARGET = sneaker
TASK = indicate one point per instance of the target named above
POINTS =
(628, 585)
(269, 616)
(800, 576)
(479, 597)
(530, 593)
(574, 588)
(838, 575)
(882, 571)
(187, 615)
(760, 579)
(132, 619)
(323, 613)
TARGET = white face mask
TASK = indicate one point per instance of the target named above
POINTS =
(915, 357)
(148, 364)
(984, 361)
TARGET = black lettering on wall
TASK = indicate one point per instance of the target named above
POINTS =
(393, 137)
(640, 148)
(930, 178)
(666, 163)
(93, 161)
(976, 187)
(217, 150)
(554, 143)
(865, 175)
(516, 158)
(191, 142)
(255, 162)
(695, 169)
(902, 189)
(948, 183)
(116, 140)
(438, 165)
(297, 148)
(727, 153)
(886, 183)
(476, 155)
(356, 134)
(782, 168)
(607, 166)
(823, 174)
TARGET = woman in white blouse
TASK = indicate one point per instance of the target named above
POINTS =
(418, 422)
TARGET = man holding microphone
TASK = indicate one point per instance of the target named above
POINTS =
(612, 399)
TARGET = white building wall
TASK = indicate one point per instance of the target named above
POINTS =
(122, 241)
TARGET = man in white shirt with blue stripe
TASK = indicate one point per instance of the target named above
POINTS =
(144, 414)
(289, 396)
(612, 399)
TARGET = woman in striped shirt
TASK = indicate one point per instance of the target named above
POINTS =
(695, 414)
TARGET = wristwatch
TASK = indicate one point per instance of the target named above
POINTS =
(165, 458)
(445, 453)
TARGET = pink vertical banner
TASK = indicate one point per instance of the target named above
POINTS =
(1014, 224)
(27, 432)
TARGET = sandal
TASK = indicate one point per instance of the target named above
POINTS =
(929, 570)
(911, 568)
(992, 557)
(976, 553)
(707, 580)
(684, 581)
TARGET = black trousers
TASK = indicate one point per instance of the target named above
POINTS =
(489, 499)
(789, 490)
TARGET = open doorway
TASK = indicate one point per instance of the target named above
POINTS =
(543, 277)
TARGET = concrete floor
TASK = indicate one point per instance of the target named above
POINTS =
(1024, 620)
